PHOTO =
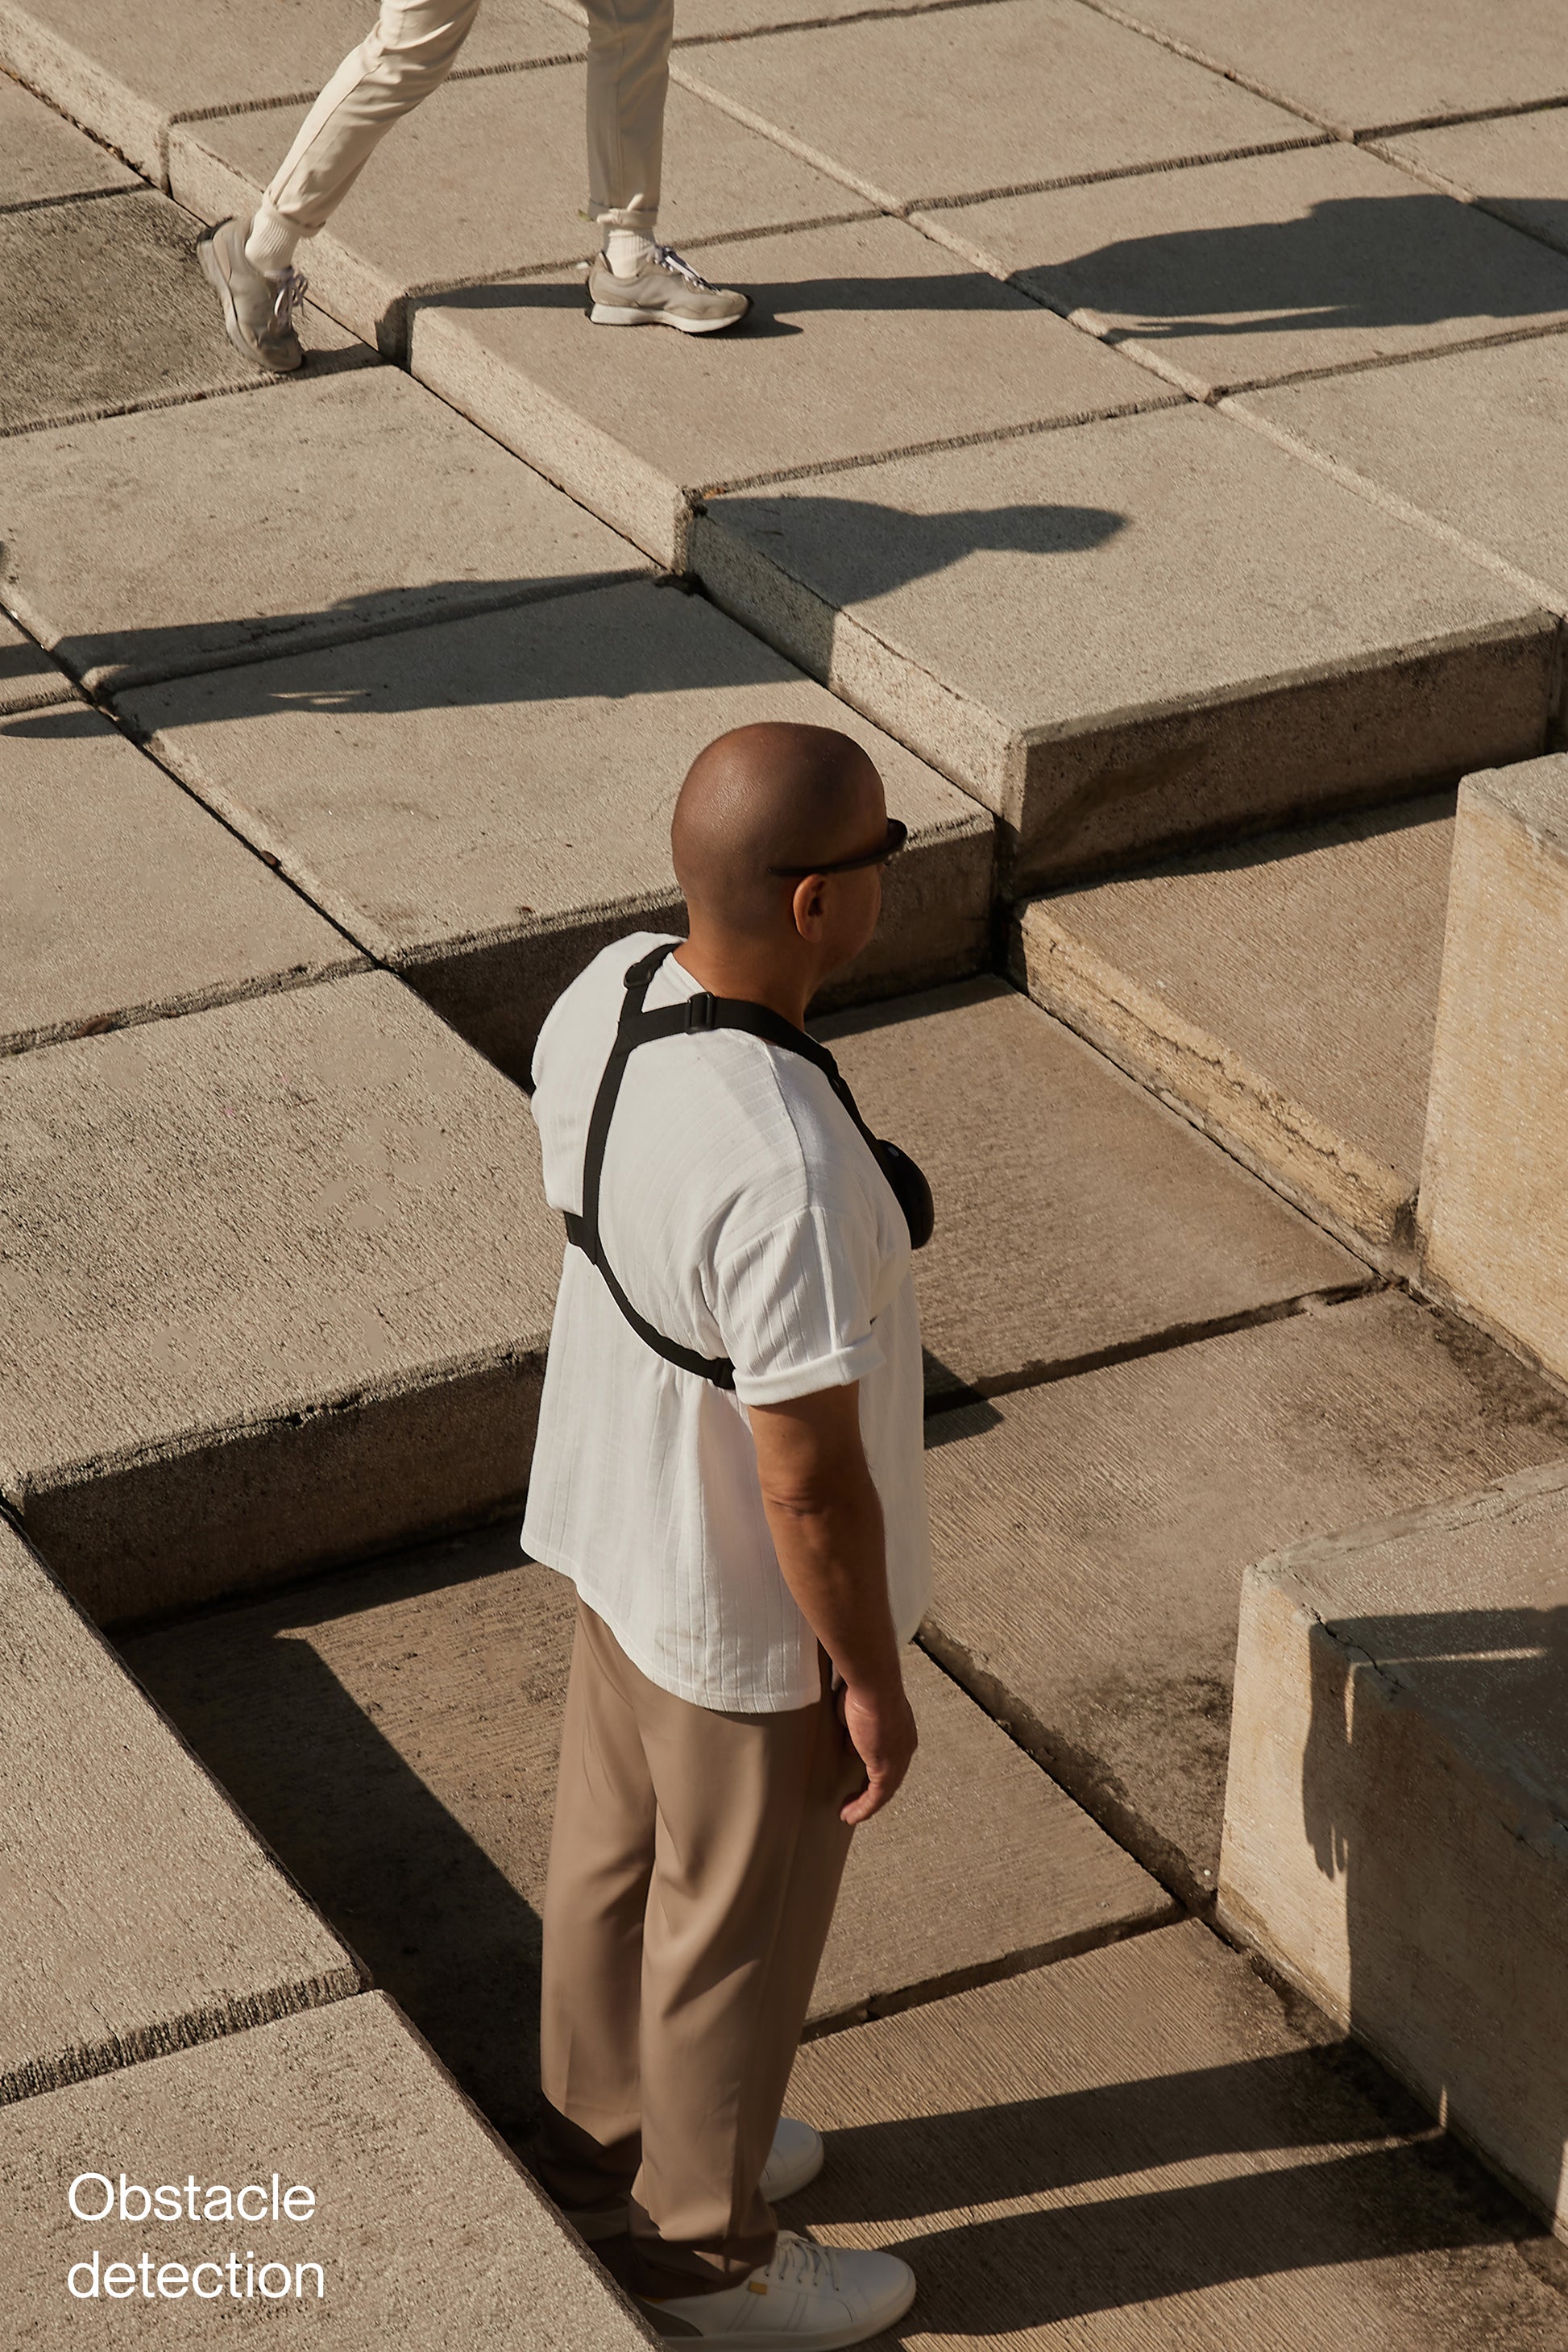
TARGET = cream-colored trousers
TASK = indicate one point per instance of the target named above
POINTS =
(412, 51)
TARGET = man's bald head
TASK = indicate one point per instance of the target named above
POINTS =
(775, 793)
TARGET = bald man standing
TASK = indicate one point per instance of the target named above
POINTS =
(729, 1469)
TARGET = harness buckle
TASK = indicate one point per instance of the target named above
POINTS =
(700, 1012)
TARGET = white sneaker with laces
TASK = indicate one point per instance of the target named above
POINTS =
(809, 2298)
(667, 292)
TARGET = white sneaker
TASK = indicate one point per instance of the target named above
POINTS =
(809, 2298)
(796, 2157)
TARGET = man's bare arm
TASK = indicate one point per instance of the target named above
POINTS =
(826, 1520)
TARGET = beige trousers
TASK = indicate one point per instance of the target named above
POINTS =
(693, 1870)
(412, 51)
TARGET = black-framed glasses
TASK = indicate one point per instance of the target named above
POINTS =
(898, 833)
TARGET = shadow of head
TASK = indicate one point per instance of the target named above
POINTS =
(852, 549)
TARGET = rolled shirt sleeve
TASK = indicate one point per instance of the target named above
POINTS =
(795, 1306)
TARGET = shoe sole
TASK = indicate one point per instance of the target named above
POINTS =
(793, 2339)
(212, 273)
(618, 314)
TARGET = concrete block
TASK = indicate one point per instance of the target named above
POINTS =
(1076, 1217)
(1137, 633)
(28, 678)
(129, 74)
(1091, 1535)
(1268, 266)
(103, 307)
(394, 1735)
(1144, 2146)
(486, 180)
(189, 539)
(121, 901)
(972, 100)
(1398, 1789)
(1494, 1215)
(43, 158)
(1515, 166)
(867, 337)
(1282, 994)
(305, 1320)
(484, 805)
(427, 2234)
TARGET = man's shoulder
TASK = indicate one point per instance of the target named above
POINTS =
(587, 1003)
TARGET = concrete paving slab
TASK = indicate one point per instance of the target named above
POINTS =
(717, 20)
(867, 339)
(43, 157)
(1092, 1536)
(1074, 1214)
(103, 307)
(424, 1694)
(488, 181)
(1515, 166)
(424, 2230)
(189, 539)
(29, 680)
(129, 74)
(1145, 2147)
(485, 804)
(1398, 1784)
(974, 101)
(1273, 266)
(121, 901)
(1282, 994)
(1135, 636)
(305, 1320)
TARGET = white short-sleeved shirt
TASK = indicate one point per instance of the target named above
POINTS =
(743, 1216)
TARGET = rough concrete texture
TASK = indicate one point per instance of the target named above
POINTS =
(121, 899)
(429, 2235)
(1145, 2147)
(43, 158)
(305, 1320)
(1073, 1214)
(28, 678)
(1137, 633)
(867, 337)
(1494, 1217)
(1091, 1535)
(129, 73)
(393, 1733)
(141, 1913)
(1393, 1831)
(1283, 995)
(103, 307)
(487, 180)
(483, 804)
(1515, 166)
(1241, 273)
(188, 538)
(972, 101)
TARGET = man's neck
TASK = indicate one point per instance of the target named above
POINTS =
(723, 970)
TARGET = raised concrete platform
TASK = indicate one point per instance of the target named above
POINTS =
(1091, 1535)
(484, 805)
(1282, 994)
(1398, 1789)
(142, 1914)
(305, 1320)
(43, 159)
(1241, 273)
(867, 339)
(1135, 634)
(424, 1695)
(1074, 1215)
(121, 901)
(1145, 2147)
(428, 2234)
(1515, 166)
(28, 678)
(189, 539)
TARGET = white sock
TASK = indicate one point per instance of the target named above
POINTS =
(628, 251)
(270, 246)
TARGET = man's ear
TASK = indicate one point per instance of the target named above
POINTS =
(809, 905)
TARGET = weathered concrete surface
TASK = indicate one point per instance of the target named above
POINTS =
(488, 180)
(394, 1735)
(1282, 994)
(867, 338)
(307, 1318)
(28, 678)
(1137, 633)
(1091, 1535)
(483, 804)
(1494, 1214)
(1142, 2147)
(428, 2234)
(121, 898)
(129, 73)
(102, 307)
(43, 158)
(189, 539)
(1515, 166)
(972, 101)
(1393, 1831)
(141, 1913)
(1244, 272)
(1073, 1213)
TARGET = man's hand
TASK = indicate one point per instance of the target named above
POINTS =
(881, 1728)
